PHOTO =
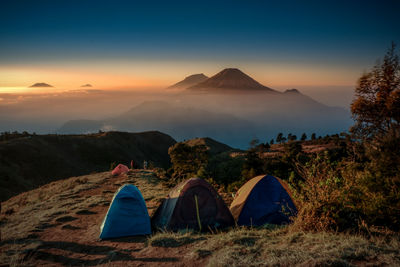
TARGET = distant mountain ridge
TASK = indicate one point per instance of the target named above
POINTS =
(230, 79)
(189, 81)
(40, 85)
(181, 122)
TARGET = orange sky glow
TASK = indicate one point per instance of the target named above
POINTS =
(145, 75)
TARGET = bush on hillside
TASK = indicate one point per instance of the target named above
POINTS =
(187, 160)
(340, 193)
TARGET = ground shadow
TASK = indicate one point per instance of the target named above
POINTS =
(170, 242)
(110, 254)
(85, 212)
(130, 239)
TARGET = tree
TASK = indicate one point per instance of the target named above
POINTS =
(279, 138)
(313, 136)
(187, 160)
(303, 137)
(271, 142)
(254, 142)
(376, 108)
(267, 146)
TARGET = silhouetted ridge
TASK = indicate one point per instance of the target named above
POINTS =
(292, 91)
(230, 79)
(189, 81)
(41, 85)
(214, 147)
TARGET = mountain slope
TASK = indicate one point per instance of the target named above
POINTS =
(59, 224)
(230, 79)
(214, 147)
(29, 162)
(189, 81)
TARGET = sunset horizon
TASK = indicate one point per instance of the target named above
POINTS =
(119, 48)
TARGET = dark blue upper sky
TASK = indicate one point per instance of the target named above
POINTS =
(338, 32)
(252, 30)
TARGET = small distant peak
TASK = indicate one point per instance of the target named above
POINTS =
(198, 75)
(41, 85)
(292, 91)
(189, 81)
(87, 85)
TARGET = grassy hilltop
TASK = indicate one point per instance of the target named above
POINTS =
(65, 218)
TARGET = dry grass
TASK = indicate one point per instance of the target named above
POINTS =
(74, 197)
(279, 247)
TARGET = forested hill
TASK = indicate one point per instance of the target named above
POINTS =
(28, 161)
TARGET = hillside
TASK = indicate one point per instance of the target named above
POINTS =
(28, 162)
(214, 147)
(58, 225)
(189, 81)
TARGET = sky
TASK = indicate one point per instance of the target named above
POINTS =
(145, 44)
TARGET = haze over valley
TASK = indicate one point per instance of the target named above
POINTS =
(227, 102)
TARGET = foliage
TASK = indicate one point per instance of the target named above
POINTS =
(6, 136)
(225, 169)
(187, 160)
(252, 165)
(325, 197)
(343, 191)
(313, 136)
(376, 108)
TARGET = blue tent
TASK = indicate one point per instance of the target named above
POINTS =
(263, 199)
(127, 215)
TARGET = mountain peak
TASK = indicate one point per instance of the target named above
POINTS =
(232, 70)
(292, 91)
(41, 85)
(189, 81)
(230, 79)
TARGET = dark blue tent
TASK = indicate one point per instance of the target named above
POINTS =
(264, 199)
(127, 215)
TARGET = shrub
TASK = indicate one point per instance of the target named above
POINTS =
(187, 160)
(326, 197)
(339, 195)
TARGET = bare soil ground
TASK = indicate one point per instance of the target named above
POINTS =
(58, 225)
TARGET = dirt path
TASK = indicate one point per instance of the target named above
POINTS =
(59, 224)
